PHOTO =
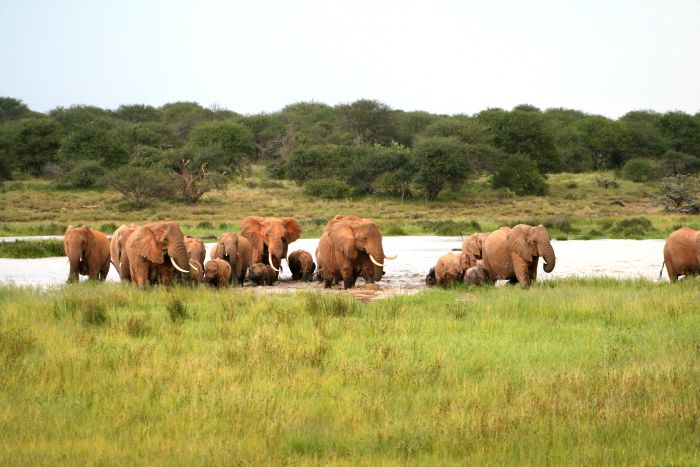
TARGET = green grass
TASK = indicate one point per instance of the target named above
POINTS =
(31, 248)
(569, 372)
(575, 208)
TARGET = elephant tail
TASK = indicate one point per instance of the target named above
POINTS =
(662, 269)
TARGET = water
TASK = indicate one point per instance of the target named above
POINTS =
(584, 258)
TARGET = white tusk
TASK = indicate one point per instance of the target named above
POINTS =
(391, 257)
(194, 267)
(375, 261)
(269, 256)
(178, 267)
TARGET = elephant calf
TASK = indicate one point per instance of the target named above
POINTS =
(450, 269)
(262, 274)
(430, 280)
(478, 276)
(302, 266)
(217, 272)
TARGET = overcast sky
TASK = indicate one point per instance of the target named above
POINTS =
(604, 57)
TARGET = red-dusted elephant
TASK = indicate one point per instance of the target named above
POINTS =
(87, 250)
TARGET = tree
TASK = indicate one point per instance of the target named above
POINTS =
(520, 174)
(235, 144)
(99, 141)
(13, 109)
(679, 193)
(369, 121)
(30, 143)
(646, 138)
(84, 174)
(313, 162)
(410, 124)
(682, 132)
(195, 183)
(140, 187)
(138, 113)
(606, 141)
(525, 130)
(639, 170)
(182, 117)
(440, 161)
(362, 165)
(679, 163)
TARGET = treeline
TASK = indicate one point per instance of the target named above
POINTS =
(363, 147)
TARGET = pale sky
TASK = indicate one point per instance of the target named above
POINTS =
(602, 57)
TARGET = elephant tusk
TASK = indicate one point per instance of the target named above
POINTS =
(194, 267)
(374, 261)
(391, 257)
(269, 256)
(178, 267)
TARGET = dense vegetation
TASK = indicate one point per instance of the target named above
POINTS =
(569, 372)
(359, 148)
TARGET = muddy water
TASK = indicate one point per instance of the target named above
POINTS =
(586, 258)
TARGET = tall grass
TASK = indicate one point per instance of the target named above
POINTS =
(31, 249)
(568, 372)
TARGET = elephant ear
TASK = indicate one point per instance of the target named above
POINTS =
(251, 228)
(343, 238)
(697, 246)
(292, 228)
(518, 243)
(143, 241)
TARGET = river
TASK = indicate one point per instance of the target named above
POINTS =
(416, 255)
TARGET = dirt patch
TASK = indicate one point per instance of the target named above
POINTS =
(364, 293)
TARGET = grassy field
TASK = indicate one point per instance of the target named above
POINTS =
(31, 248)
(576, 208)
(569, 372)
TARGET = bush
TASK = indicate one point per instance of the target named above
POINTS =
(440, 162)
(139, 186)
(520, 174)
(309, 163)
(679, 193)
(84, 174)
(639, 170)
(634, 227)
(327, 189)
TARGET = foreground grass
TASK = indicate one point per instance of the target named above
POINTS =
(575, 372)
(575, 208)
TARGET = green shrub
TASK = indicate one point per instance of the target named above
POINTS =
(633, 227)
(520, 174)
(327, 189)
(639, 170)
(84, 174)
(141, 187)
(177, 311)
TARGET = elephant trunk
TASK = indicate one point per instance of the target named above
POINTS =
(179, 257)
(74, 257)
(377, 253)
(276, 253)
(547, 253)
(231, 247)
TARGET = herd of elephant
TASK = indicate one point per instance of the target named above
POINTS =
(160, 253)
(350, 247)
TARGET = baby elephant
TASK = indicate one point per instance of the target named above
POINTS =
(217, 272)
(478, 276)
(430, 280)
(262, 274)
(302, 266)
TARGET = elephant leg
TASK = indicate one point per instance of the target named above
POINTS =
(327, 282)
(672, 273)
(105, 270)
(241, 277)
(532, 269)
(139, 272)
(234, 272)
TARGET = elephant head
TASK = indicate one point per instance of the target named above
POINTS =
(530, 242)
(270, 237)
(472, 247)
(356, 237)
(152, 241)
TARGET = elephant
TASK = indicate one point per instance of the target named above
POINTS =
(430, 280)
(152, 245)
(450, 268)
(513, 254)
(351, 246)
(473, 246)
(682, 253)
(270, 237)
(217, 272)
(117, 249)
(237, 250)
(87, 250)
(195, 249)
(302, 266)
(478, 276)
(262, 274)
